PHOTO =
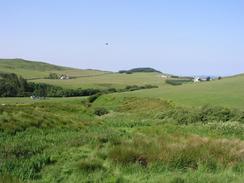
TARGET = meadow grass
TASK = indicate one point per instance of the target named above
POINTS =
(187, 133)
(130, 143)
(226, 92)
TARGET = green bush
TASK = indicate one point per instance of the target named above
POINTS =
(92, 98)
(175, 82)
(203, 114)
(100, 111)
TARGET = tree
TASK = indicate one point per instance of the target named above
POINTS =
(208, 78)
(53, 76)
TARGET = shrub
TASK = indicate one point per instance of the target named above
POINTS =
(100, 111)
(175, 82)
(92, 98)
(204, 114)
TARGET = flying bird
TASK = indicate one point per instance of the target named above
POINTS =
(106, 44)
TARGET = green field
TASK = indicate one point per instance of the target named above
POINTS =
(37, 72)
(227, 92)
(30, 69)
(191, 133)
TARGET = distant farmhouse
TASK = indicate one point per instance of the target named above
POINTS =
(164, 76)
(197, 79)
(64, 77)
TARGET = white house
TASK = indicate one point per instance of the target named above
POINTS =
(164, 76)
(196, 79)
(64, 77)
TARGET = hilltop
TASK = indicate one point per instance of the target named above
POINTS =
(140, 69)
(37, 70)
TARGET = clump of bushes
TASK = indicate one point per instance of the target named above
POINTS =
(100, 111)
(143, 69)
(136, 87)
(203, 114)
(92, 98)
(176, 82)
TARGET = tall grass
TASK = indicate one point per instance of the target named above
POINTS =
(183, 153)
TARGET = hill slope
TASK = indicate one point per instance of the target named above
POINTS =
(39, 71)
(226, 92)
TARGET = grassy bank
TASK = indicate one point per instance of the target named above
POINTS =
(138, 140)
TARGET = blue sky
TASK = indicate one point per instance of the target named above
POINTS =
(184, 37)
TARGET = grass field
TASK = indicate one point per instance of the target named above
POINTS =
(37, 72)
(30, 69)
(108, 80)
(64, 141)
(227, 92)
(192, 133)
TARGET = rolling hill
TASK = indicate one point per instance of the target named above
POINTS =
(33, 69)
(226, 92)
(135, 136)
(39, 71)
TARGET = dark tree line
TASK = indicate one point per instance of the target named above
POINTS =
(143, 69)
(11, 85)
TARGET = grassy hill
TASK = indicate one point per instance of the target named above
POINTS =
(226, 92)
(136, 136)
(33, 69)
(38, 71)
(138, 140)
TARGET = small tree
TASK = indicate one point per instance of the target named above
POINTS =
(53, 76)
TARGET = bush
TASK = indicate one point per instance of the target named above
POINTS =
(204, 114)
(176, 82)
(53, 76)
(100, 111)
(92, 98)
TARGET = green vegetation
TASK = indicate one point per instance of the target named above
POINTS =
(139, 140)
(143, 69)
(12, 86)
(39, 72)
(126, 130)
(226, 92)
(178, 81)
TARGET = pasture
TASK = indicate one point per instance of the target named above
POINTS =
(228, 92)
(138, 140)
(189, 133)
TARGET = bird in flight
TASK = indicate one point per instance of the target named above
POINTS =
(106, 44)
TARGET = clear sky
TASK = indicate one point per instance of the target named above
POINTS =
(184, 37)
